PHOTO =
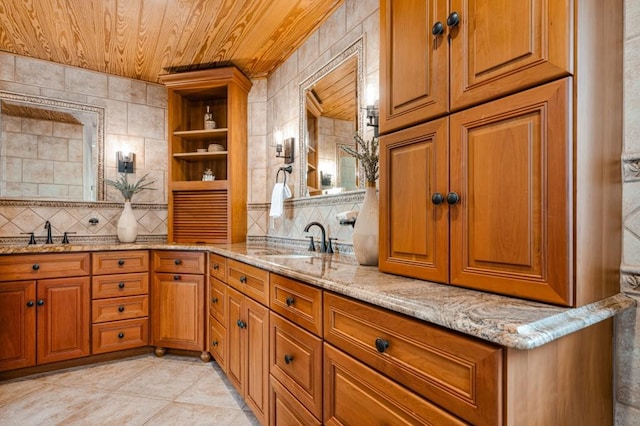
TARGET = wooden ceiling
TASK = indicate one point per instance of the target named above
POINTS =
(336, 92)
(142, 39)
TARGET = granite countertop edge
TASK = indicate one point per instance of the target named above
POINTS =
(503, 320)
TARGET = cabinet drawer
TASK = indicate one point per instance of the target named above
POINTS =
(298, 302)
(105, 286)
(119, 335)
(184, 262)
(217, 299)
(354, 394)
(295, 359)
(218, 267)
(218, 342)
(15, 267)
(458, 373)
(252, 281)
(120, 308)
(120, 262)
(286, 410)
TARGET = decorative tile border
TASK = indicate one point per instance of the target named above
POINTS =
(631, 167)
(87, 240)
(630, 283)
(78, 204)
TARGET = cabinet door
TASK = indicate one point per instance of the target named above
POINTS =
(178, 311)
(17, 324)
(500, 47)
(510, 163)
(414, 232)
(63, 306)
(256, 387)
(236, 355)
(414, 65)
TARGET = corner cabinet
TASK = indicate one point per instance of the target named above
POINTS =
(207, 211)
(514, 179)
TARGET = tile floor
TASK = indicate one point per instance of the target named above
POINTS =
(143, 390)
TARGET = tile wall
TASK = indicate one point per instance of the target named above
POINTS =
(135, 117)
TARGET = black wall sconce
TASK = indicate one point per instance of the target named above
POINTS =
(373, 115)
(284, 149)
(125, 161)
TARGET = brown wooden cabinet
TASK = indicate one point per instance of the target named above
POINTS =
(481, 50)
(217, 296)
(248, 355)
(45, 314)
(515, 189)
(178, 306)
(202, 210)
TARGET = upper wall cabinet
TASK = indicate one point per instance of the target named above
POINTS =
(441, 56)
(207, 155)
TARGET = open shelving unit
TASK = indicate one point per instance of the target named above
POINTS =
(207, 211)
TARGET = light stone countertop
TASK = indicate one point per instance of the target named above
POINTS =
(507, 321)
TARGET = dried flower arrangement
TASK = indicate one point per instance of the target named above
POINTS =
(367, 154)
(128, 189)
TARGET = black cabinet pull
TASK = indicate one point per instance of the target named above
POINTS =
(453, 19)
(216, 267)
(214, 300)
(35, 267)
(288, 359)
(177, 261)
(243, 279)
(437, 29)
(214, 343)
(290, 301)
(121, 284)
(437, 199)
(381, 345)
(40, 302)
(453, 198)
(120, 308)
(176, 277)
(120, 262)
(121, 335)
(30, 303)
(241, 324)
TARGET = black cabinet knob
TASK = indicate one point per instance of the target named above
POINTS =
(241, 324)
(437, 29)
(30, 303)
(288, 359)
(290, 301)
(214, 343)
(176, 277)
(453, 198)
(381, 344)
(177, 261)
(437, 199)
(120, 308)
(216, 267)
(214, 300)
(453, 19)
(40, 302)
(121, 335)
(121, 284)
(243, 279)
(35, 267)
(120, 262)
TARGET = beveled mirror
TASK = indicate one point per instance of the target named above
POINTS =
(330, 114)
(50, 149)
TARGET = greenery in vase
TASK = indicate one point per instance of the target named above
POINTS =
(367, 154)
(126, 188)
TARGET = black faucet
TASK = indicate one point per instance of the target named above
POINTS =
(47, 226)
(323, 244)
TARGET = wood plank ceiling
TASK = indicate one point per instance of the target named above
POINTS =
(142, 39)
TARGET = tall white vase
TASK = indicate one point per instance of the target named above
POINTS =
(365, 232)
(127, 225)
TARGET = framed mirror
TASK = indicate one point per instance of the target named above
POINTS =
(330, 114)
(50, 149)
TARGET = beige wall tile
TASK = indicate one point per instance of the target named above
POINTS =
(84, 81)
(35, 72)
(7, 66)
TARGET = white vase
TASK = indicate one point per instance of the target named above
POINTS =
(127, 225)
(365, 232)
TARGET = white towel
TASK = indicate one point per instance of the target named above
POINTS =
(280, 193)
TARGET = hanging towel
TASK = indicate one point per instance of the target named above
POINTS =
(280, 193)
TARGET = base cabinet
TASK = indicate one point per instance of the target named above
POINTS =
(18, 320)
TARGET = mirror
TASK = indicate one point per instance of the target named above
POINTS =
(330, 114)
(50, 149)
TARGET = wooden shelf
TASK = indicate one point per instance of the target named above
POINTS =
(202, 134)
(199, 185)
(199, 156)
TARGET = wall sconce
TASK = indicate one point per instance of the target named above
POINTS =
(125, 161)
(373, 113)
(284, 149)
